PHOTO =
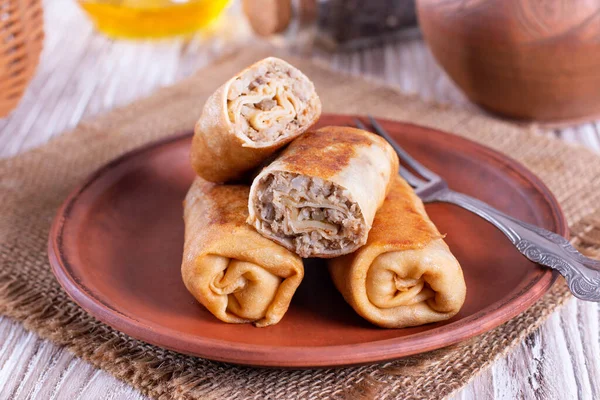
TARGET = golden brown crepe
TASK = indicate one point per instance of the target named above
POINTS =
(237, 274)
(319, 197)
(405, 275)
(250, 117)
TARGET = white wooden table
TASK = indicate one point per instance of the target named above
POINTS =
(83, 74)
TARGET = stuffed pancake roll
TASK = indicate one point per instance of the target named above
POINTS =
(250, 117)
(405, 275)
(319, 197)
(236, 273)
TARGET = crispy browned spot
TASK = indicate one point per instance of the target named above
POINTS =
(399, 222)
(224, 203)
(326, 151)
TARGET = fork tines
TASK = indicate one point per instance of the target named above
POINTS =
(430, 178)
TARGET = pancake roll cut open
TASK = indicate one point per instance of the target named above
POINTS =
(236, 273)
(319, 197)
(405, 275)
(251, 116)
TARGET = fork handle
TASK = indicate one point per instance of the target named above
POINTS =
(537, 244)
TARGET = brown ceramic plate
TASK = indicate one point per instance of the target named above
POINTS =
(116, 247)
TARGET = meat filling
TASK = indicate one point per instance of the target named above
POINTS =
(310, 215)
(270, 102)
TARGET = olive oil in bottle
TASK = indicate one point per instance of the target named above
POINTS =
(151, 18)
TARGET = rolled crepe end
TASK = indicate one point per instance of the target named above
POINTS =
(399, 289)
(239, 291)
(236, 273)
(405, 275)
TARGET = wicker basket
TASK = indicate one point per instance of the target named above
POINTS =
(21, 37)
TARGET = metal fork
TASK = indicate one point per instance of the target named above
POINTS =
(537, 244)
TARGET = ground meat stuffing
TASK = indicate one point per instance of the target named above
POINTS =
(280, 122)
(310, 214)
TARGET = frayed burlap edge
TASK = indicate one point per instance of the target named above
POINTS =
(32, 191)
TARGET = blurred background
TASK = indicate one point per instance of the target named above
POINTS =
(525, 60)
(100, 54)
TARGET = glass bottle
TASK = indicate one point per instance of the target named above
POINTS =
(151, 18)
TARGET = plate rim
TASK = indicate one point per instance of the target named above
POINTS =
(300, 356)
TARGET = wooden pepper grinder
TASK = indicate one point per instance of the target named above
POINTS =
(335, 24)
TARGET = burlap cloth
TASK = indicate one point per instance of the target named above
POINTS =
(35, 183)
